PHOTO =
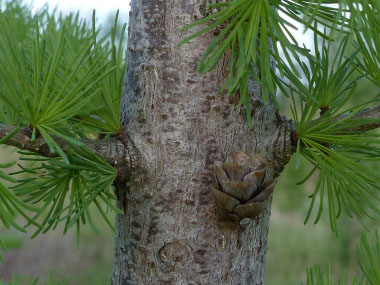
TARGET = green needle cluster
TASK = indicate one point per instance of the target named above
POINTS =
(369, 42)
(19, 279)
(64, 191)
(368, 259)
(58, 77)
(252, 34)
(331, 136)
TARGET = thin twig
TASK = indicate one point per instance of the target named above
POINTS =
(113, 151)
(369, 113)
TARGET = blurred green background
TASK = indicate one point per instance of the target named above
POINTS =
(293, 246)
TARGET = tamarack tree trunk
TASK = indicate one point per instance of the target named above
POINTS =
(177, 123)
(177, 126)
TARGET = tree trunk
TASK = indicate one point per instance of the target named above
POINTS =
(180, 123)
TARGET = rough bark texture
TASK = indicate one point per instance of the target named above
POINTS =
(180, 124)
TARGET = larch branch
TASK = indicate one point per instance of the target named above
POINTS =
(369, 113)
(113, 151)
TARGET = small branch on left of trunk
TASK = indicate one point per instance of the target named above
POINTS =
(113, 151)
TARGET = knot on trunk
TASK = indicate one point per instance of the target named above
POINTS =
(173, 255)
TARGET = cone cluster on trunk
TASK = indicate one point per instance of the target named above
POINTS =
(241, 190)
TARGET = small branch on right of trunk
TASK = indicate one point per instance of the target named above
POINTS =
(369, 113)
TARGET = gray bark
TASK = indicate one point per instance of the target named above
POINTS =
(180, 123)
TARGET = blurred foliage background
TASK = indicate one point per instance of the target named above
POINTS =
(293, 246)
